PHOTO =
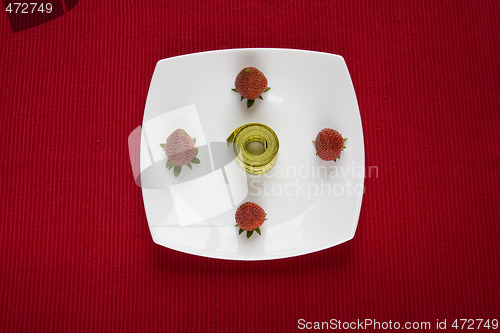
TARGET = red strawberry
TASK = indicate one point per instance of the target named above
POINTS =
(250, 83)
(180, 151)
(329, 144)
(249, 217)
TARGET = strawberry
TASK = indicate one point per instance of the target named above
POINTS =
(329, 144)
(180, 151)
(249, 217)
(251, 84)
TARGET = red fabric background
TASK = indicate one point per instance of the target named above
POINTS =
(75, 249)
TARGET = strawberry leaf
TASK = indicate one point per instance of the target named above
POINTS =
(196, 153)
(234, 89)
(194, 140)
(242, 98)
(249, 234)
(250, 102)
(261, 97)
(162, 145)
(177, 170)
(345, 139)
(257, 230)
(195, 160)
(189, 166)
(267, 89)
(241, 231)
(170, 164)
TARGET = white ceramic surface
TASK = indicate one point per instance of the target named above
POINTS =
(311, 204)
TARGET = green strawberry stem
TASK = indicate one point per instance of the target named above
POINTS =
(170, 164)
(249, 233)
(177, 170)
(250, 102)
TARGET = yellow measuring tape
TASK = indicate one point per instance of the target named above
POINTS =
(254, 132)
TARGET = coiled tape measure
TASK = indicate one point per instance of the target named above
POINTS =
(254, 132)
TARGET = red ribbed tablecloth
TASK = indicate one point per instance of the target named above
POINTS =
(75, 250)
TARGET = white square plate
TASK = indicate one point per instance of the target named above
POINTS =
(310, 204)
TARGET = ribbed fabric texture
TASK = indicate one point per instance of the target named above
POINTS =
(75, 250)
